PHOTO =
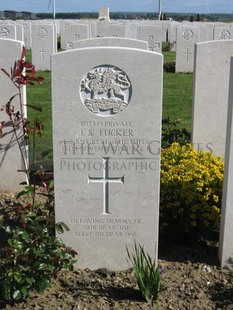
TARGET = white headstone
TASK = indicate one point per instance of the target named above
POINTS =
(131, 31)
(226, 227)
(186, 36)
(153, 35)
(206, 32)
(19, 32)
(8, 31)
(10, 157)
(172, 34)
(223, 33)
(106, 156)
(112, 41)
(43, 45)
(27, 33)
(74, 32)
(110, 30)
(210, 95)
(104, 14)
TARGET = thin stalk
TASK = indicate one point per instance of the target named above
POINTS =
(19, 146)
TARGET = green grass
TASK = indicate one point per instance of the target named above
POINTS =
(177, 98)
(169, 56)
(177, 104)
(40, 96)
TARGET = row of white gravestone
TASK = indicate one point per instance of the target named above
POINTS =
(188, 35)
(150, 33)
(153, 32)
(129, 29)
(107, 168)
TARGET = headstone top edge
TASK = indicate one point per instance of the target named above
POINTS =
(60, 54)
(216, 42)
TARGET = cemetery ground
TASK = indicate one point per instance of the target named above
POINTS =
(191, 279)
(190, 274)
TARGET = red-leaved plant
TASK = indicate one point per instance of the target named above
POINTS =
(22, 73)
(30, 253)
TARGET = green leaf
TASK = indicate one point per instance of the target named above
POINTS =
(27, 191)
(44, 284)
(15, 244)
(24, 291)
(30, 280)
(61, 227)
(40, 218)
(17, 277)
(51, 185)
(17, 295)
(42, 266)
(25, 236)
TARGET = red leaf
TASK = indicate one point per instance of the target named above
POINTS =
(40, 80)
(3, 70)
(27, 65)
(21, 81)
(2, 124)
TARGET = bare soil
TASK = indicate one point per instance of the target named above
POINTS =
(191, 280)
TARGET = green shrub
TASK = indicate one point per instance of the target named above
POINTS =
(30, 253)
(171, 133)
(170, 66)
(191, 188)
(166, 46)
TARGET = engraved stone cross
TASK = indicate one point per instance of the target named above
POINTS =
(42, 52)
(105, 180)
(187, 54)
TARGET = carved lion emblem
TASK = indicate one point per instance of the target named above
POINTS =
(105, 90)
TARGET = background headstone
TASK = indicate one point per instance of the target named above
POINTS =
(10, 157)
(43, 45)
(106, 157)
(186, 36)
(19, 32)
(74, 32)
(210, 95)
(223, 33)
(226, 228)
(104, 14)
(153, 35)
(131, 30)
(27, 33)
(7, 31)
(112, 41)
(110, 30)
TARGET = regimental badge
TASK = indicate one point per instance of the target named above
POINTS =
(106, 90)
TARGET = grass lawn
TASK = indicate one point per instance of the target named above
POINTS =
(177, 104)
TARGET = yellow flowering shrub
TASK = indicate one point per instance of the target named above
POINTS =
(191, 189)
